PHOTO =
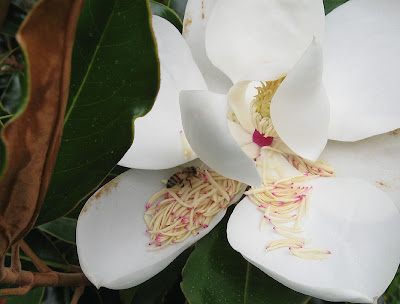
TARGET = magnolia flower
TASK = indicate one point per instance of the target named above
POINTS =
(263, 40)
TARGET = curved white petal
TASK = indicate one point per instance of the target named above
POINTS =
(157, 140)
(375, 159)
(240, 104)
(243, 34)
(206, 128)
(241, 136)
(267, 72)
(111, 233)
(354, 220)
(194, 26)
(362, 68)
(300, 107)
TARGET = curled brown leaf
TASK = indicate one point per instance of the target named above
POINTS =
(33, 137)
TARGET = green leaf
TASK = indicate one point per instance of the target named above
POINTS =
(127, 295)
(63, 229)
(114, 79)
(156, 289)
(330, 5)
(45, 250)
(166, 13)
(215, 273)
(13, 96)
(35, 296)
(392, 294)
(14, 18)
(179, 6)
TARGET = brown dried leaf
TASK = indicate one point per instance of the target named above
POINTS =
(33, 137)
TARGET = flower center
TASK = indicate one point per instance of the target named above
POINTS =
(262, 101)
(261, 140)
(188, 203)
(260, 109)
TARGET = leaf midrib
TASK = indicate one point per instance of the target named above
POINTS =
(90, 65)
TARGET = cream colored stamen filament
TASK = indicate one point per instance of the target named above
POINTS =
(285, 200)
(175, 213)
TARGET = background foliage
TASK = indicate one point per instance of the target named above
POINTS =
(209, 272)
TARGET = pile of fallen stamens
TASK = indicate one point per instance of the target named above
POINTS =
(173, 214)
(284, 201)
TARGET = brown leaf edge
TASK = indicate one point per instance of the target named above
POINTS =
(33, 137)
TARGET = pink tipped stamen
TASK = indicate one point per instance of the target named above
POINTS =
(148, 205)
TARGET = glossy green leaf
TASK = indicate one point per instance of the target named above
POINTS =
(14, 18)
(179, 6)
(44, 249)
(330, 5)
(215, 273)
(156, 289)
(3, 10)
(35, 296)
(63, 229)
(114, 79)
(166, 13)
(392, 294)
(127, 295)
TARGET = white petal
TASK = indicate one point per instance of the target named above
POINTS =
(241, 136)
(300, 107)
(362, 68)
(157, 140)
(111, 234)
(239, 101)
(243, 34)
(375, 159)
(267, 72)
(206, 128)
(355, 221)
(194, 25)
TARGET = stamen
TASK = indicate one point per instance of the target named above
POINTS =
(179, 207)
(285, 200)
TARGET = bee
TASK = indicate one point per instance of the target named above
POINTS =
(179, 177)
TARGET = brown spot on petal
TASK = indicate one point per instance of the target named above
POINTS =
(187, 23)
(395, 132)
(382, 184)
(106, 189)
(103, 191)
